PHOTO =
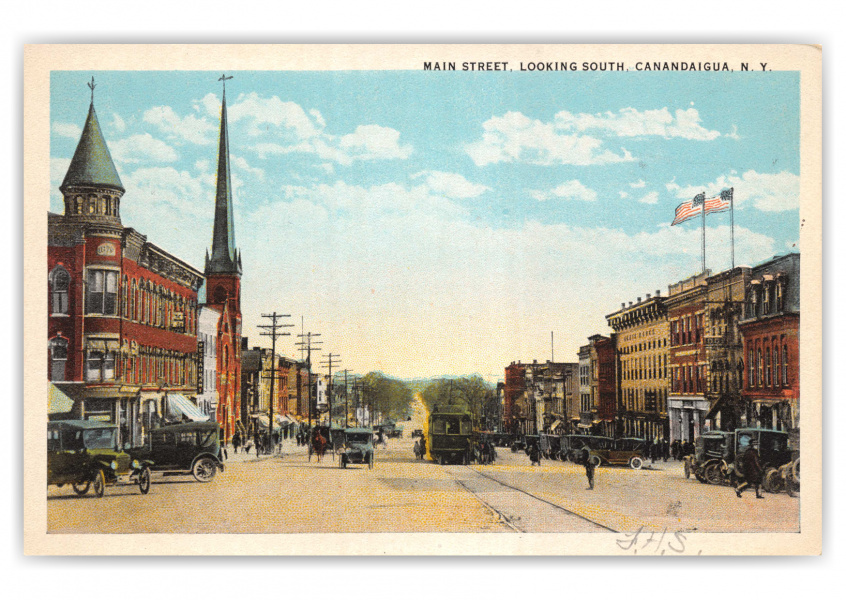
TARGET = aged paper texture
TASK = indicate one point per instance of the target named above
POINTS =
(266, 276)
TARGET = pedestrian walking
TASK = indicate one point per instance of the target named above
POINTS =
(753, 473)
(665, 449)
(236, 441)
(590, 468)
(534, 454)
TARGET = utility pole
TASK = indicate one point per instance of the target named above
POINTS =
(306, 346)
(272, 330)
(346, 400)
(332, 360)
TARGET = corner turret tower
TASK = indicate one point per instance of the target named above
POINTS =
(92, 188)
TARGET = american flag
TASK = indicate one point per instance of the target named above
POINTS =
(692, 208)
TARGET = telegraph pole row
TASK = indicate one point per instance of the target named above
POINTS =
(272, 330)
(332, 360)
(307, 344)
(346, 399)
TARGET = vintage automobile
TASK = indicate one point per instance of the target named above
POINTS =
(357, 447)
(184, 448)
(623, 451)
(773, 449)
(571, 445)
(450, 435)
(391, 430)
(706, 460)
(550, 445)
(83, 453)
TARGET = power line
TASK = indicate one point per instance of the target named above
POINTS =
(273, 331)
(332, 360)
(307, 345)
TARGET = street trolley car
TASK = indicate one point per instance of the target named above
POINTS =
(450, 435)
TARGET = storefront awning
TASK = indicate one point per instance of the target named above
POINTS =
(179, 406)
(555, 425)
(58, 400)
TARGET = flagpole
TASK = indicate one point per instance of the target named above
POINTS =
(703, 232)
(731, 199)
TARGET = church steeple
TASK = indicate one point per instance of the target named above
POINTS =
(92, 188)
(225, 258)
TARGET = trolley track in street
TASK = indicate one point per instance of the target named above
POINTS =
(525, 507)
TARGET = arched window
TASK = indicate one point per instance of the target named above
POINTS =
(769, 368)
(784, 365)
(760, 367)
(59, 285)
(133, 301)
(58, 358)
(125, 297)
(777, 365)
(751, 382)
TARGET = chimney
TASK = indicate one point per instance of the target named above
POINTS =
(638, 299)
(630, 302)
(657, 293)
(648, 296)
(623, 304)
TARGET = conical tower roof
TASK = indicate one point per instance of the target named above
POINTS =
(92, 164)
(224, 254)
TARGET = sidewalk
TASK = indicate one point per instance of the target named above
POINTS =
(289, 448)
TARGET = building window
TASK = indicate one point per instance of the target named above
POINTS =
(759, 367)
(59, 285)
(101, 296)
(769, 367)
(777, 365)
(784, 365)
(58, 358)
(780, 295)
(125, 297)
(751, 368)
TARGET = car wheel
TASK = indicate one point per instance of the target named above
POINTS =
(81, 487)
(204, 470)
(595, 461)
(100, 484)
(144, 480)
(370, 462)
(713, 475)
(773, 483)
(686, 470)
(636, 462)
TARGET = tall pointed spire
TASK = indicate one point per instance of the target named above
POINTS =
(224, 255)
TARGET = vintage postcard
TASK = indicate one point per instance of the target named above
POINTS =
(423, 299)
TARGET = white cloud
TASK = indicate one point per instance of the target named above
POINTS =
(733, 135)
(650, 198)
(624, 195)
(767, 192)
(118, 123)
(370, 142)
(261, 113)
(630, 122)
(638, 184)
(68, 130)
(141, 147)
(241, 163)
(514, 137)
(569, 190)
(451, 185)
(189, 128)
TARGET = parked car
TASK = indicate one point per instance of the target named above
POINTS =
(623, 451)
(184, 448)
(705, 463)
(773, 448)
(357, 447)
(83, 453)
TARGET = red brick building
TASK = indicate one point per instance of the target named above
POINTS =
(603, 383)
(688, 404)
(223, 289)
(514, 412)
(122, 322)
(770, 329)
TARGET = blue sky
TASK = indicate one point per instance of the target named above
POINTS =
(432, 223)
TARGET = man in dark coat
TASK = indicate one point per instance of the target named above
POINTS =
(590, 468)
(753, 473)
